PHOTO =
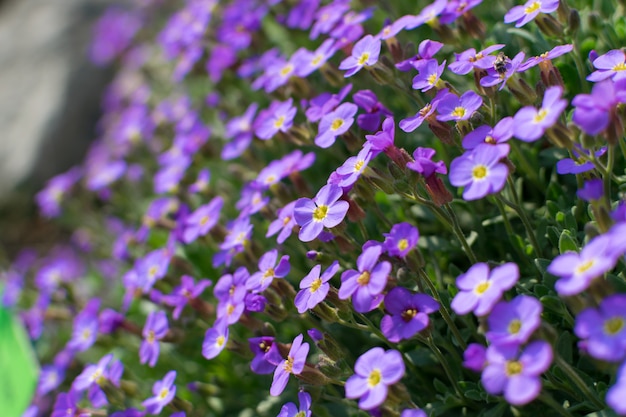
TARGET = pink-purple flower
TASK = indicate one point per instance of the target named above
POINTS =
(155, 329)
(314, 287)
(479, 171)
(294, 364)
(374, 371)
(610, 65)
(603, 329)
(408, 314)
(480, 288)
(164, 392)
(365, 284)
(524, 14)
(452, 107)
(514, 321)
(364, 53)
(325, 210)
(529, 123)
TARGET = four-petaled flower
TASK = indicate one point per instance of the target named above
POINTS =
(603, 330)
(366, 284)
(479, 171)
(314, 288)
(529, 123)
(325, 210)
(294, 364)
(364, 53)
(164, 392)
(155, 329)
(408, 314)
(524, 14)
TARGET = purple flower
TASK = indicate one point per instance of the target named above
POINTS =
(290, 409)
(615, 394)
(49, 199)
(268, 270)
(85, 331)
(529, 123)
(593, 112)
(576, 271)
(408, 314)
(239, 132)
(480, 289)
(112, 34)
(456, 108)
(479, 171)
(93, 375)
(266, 355)
(516, 373)
(181, 295)
(203, 219)
(384, 138)
(215, 339)
(401, 239)
(284, 224)
(325, 210)
(592, 190)
(374, 371)
(306, 62)
(610, 65)
(66, 404)
(496, 136)
(314, 288)
(429, 75)
(425, 113)
(164, 392)
(366, 284)
(374, 109)
(302, 14)
(294, 364)
(334, 124)
(424, 164)
(324, 103)
(580, 165)
(354, 166)
(278, 117)
(469, 59)
(155, 329)
(514, 321)
(475, 357)
(494, 77)
(545, 57)
(364, 53)
(603, 330)
(524, 14)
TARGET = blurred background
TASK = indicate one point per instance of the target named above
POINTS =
(49, 107)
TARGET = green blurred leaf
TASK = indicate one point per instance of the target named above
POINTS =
(19, 366)
(567, 242)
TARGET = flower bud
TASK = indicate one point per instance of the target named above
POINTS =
(312, 376)
(573, 22)
(326, 312)
(549, 25)
(332, 75)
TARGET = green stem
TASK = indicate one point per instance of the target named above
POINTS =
(429, 342)
(609, 169)
(456, 228)
(443, 309)
(522, 215)
(577, 380)
(509, 228)
(551, 402)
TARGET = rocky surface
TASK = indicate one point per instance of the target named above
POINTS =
(49, 92)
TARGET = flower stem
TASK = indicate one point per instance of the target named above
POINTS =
(431, 344)
(577, 380)
(551, 402)
(516, 205)
(456, 228)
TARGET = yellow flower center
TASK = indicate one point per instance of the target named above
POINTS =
(620, 67)
(264, 347)
(288, 366)
(513, 368)
(540, 115)
(300, 414)
(152, 271)
(374, 378)
(584, 266)
(230, 309)
(424, 110)
(613, 325)
(534, 6)
(204, 220)
(364, 278)
(316, 60)
(336, 124)
(269, 273)
(86, 334)
(286, 70)
(270, 179)
(315, 285)
(490, 140)
(286, 220)
(459, 112)
(319, 213)
(363, 58)
(515, 326)
(164, 393)
(479, 172)
(482, 287)
(220, 341)
(358, 166)
(403, 244)
(151, 337)
(407, 315)
(432, 78)
(279, 122)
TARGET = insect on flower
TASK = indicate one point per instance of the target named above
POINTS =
(500, 63)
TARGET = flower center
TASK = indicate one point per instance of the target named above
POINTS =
(620, 67)
(315, 285)
(613, 325)
(432, 78)
(358, 166)
(152, 271)
(316, 60)
(270, 179)
(220, 341)
(364, 278)
(363, 58)
(286, 220)
(534, 6)
(300, 414)
(288, 366)
(286, 70)
(164, 393)
(584, 266)
(204, 220)
(151, 337)
(482, 287)
(424, 110)
(513, 368)
(403, 244)
(479, 172)
(319, 213)
(337, 123)
(374, 378)
(489, 139)
(279, 122)
(515, 326)
(408, 314)
(459, 112)
(230, 309)
(265, 347)
(541, 114)
(86, 334)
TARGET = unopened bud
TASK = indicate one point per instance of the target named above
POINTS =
(332, 75)
(563, 12)
(442, 130)
(312, 376)
(549, 25)
(573, 22)
(437, 190)
(325, 312)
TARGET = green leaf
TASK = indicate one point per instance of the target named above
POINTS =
(440, 386)
(567, 242)
(19, 366)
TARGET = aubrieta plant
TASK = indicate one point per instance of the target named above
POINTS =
(340, 208)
